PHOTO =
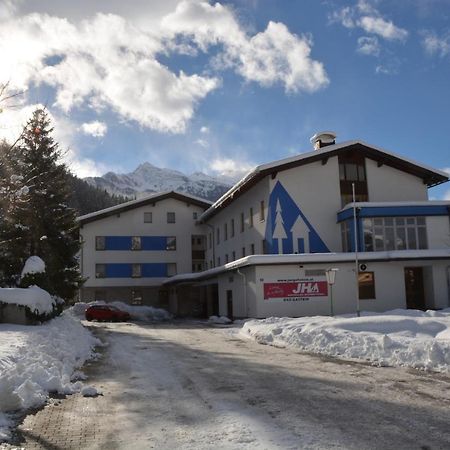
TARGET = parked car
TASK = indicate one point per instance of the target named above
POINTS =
(106, 313)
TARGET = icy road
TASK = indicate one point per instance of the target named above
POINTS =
(189, 386)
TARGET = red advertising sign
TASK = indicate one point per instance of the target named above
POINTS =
(300, 288)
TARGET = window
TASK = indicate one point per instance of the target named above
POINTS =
(148, 217)
(136, 297)
(243, 251)
(170, 217)
(171, 243)
(250, 218)
(233, 255)
(242, 222)
(218, 260)
(99, 242)
(100, 270)
(315, 273)
(225, 231)
(394, 233)
(263, 247)
(252, 249)
(136, 243)
(195, 215)
(136, 271)
(226, 258)
(217, 235)
(262, 211)
(232, 228)
(366, 281)
(352, 169)
(171, 269)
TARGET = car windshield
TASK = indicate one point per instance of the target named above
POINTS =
(113, 308)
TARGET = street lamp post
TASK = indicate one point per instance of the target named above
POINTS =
(331, 276)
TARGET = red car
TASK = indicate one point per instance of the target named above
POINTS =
(106, 313)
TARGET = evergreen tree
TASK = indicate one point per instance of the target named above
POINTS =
(39, 220)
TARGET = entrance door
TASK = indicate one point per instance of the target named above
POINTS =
(415, 294)
(230, 305)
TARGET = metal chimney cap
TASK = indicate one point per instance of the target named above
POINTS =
(324, 136)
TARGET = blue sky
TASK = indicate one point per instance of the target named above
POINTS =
(221, 87)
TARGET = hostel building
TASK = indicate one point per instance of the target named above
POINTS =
(264, 247)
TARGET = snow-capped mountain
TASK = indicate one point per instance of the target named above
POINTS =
(148, 178)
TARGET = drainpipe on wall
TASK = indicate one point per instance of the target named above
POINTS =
(213, 244)
(245, 291)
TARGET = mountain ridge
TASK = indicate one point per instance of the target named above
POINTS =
(148, 178)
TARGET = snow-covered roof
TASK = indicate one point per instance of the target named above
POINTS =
(96, 215)
(309, 258)
(431, 176)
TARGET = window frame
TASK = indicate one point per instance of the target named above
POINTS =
(170, 215)
(169, 247)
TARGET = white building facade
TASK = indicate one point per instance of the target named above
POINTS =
(269, 240)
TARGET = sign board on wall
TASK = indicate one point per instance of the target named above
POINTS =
(301, 289)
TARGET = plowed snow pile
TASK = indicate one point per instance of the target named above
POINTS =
(396, 338)
(36, 360)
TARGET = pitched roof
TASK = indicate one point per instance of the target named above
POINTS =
(430, 176)
(147, 200)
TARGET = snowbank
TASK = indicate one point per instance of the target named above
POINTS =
(38, 300)
(33, 265)
(136, 312)
(397, 338)
(219, 320)
(37, 360)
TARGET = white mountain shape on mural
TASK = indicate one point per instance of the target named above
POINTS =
(148, 178)
(300, 231)
(279, 232)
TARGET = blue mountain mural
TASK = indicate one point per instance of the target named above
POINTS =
(287, 229)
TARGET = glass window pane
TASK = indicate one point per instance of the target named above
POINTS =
(389, 238)
(136, 271)
(420, 220)
(389, 221)
(401, 239)
(368, 235)
(148, 217)
(136, 243)
(170, 217)
(100, 271)
(379, 238)
(366, 281)
(422, 237)
(171, 243)
(400, 221)
(412, 241)
(171, 269)
(378, 221)
(361, 173)
(351, 172)
(411, 220)
(100, 243)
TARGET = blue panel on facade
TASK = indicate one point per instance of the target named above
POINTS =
(117, 242)
(395, 211)
(154, 270)
(118, 270)
(287, 229)
(154, 243)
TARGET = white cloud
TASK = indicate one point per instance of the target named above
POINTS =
(368, 45)
(202, 142)
(434, 44)
(94, 128)
(229, 169)
(365, 16)
(204, 130)
(111, 60)
(272, 56)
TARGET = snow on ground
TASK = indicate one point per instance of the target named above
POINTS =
(136, 312)
(34, 297)
(395, 338)
(36, 360)
(219, 320)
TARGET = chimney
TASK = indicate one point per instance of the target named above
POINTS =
(322, 139)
